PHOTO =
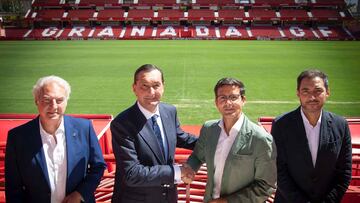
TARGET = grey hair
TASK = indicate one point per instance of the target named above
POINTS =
(48, 79)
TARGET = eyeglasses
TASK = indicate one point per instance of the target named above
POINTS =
(232, 98)
(49, 100)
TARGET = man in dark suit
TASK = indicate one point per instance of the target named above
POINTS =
(144, 139)
(52, 158)
(314, 147)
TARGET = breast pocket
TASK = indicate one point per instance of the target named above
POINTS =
(334, 146)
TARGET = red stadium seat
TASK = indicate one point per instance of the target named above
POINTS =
(111, 15)
(201, 14)
(140, 15)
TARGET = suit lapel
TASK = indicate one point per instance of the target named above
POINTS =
(241, 143)
(147, 132)
(325, 129)
(242, 140)
(213, 140)
(300, 137)
(148, 135)
(37, 144)
(71, 136)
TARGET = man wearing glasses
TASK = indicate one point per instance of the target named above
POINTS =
(53, 158)
(240, 155)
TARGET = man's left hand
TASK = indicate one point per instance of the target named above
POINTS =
(74, 197)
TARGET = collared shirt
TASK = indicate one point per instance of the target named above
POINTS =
(313, 135)
(56, 161)
(223, 148)
(148, 115)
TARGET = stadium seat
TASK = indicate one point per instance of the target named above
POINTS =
(80, 15)
(46, 3)
(294, 15)
(140, 15)
(171, 15)
(201, 14)
(232, 14)
(99, 3)
(49, 15)
(262, 14)
(325, 14)
(111, 15)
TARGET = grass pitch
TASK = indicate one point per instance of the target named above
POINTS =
(101, 73)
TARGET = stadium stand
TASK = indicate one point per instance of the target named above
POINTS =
(274, 2)
(52, 3)
(149, 19)
(294, 15)
(80, 15)
(201, 15)
(170, 15)
(110, 15)
(140, 15)
(232, 14)
(262, 14)
(98, 3)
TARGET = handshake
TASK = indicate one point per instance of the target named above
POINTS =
(187, 173)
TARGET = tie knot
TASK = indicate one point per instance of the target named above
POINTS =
(154, 117)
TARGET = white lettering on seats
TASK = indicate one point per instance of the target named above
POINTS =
(296, 31)
(48, 32)
(76, 30)
(202, 31)
(169, 30)
(325, 31)
(232, 31)
(107, 31)
(138, 31)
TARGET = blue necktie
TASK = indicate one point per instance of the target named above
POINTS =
(157, 132)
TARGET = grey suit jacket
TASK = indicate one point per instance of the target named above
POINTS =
(250, 168)
(143, 174)
(298, 180)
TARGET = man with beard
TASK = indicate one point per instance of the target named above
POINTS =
(314, 146)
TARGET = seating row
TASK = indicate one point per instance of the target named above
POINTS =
(192, 14)
(177, 32)
(188, 2)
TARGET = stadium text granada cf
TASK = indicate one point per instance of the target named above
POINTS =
(180, 32)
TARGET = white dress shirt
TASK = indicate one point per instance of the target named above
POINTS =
(313, 135)
(148, 115)
(56, 161)
(223, 148)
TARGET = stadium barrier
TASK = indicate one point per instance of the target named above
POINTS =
(187, 193)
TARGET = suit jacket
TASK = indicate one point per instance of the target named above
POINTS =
(26, 175)
(298, 180)
(250, 169)
(143, 174)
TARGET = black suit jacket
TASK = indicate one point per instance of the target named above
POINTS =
(143, 174)
(298, 180)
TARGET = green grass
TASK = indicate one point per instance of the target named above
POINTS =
(101, 73)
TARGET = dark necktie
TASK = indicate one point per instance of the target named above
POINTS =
(157, 132)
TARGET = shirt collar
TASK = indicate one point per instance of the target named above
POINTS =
(147, 113)
(236, 126)
(61, 128)
(306, 121)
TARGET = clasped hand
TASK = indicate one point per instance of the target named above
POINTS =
(187, 173)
